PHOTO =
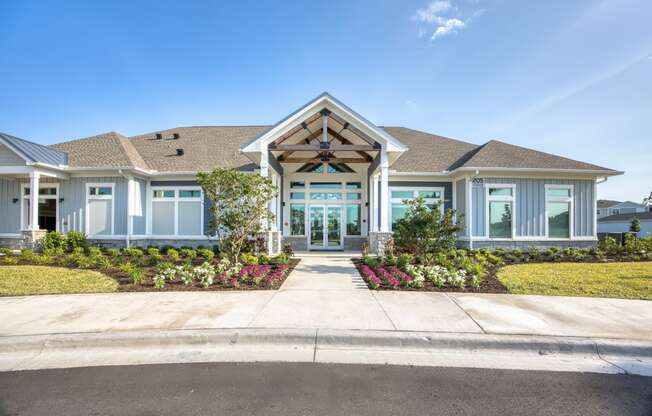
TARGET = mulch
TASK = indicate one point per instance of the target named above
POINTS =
(125, 284)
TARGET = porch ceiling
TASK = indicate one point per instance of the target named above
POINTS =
(304, 143)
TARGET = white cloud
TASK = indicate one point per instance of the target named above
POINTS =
(431, 13)
(448, 27)
(441, 18)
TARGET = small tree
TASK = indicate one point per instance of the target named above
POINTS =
(239, 207)
(635, 225)
(426, 229)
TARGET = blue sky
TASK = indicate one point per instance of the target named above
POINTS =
(566, 77)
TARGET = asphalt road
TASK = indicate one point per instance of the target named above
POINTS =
(318, 389)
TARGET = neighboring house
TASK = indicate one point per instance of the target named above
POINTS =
(342, 181)
(607, 207)
(620, 223)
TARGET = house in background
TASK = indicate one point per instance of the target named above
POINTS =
(342, 181)
(619, 223)
(608, 207)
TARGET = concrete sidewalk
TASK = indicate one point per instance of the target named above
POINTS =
(325, 293)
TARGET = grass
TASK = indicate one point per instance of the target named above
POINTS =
(41, 280)
(609, 280)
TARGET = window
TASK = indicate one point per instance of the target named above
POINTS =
(559, 208)
(297, 219)
(326, 195)
(99, 209)
(177, 211)
(353, 221)
(297, 195)
(400, 196)
(500, 206)
(48, 208)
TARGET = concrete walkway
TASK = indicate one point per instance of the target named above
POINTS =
(324, 313)
(326, 292)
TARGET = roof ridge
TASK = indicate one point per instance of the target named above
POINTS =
(131, 152)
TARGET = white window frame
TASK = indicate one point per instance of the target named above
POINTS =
(96, 197)
(24, 197)
(176, 199)
(568, 199)
(499, 198)
(415, 193)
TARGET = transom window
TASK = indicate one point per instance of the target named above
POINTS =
(559, 210)
(98, 191)
(349, 194)
(499, 209)
(177, 211)
(400, 196)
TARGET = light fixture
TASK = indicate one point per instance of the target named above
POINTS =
(15, 200)
(61, 200)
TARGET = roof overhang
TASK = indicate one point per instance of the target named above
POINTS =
(258, 145)
(598, 173)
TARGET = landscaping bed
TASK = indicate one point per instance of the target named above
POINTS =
(137, 270)
(609, 270)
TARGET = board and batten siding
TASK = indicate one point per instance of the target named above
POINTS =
(530, 205)
(72, 209)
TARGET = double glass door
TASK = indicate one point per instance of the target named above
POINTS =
(325, 227)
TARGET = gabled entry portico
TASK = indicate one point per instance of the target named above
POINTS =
(326, 156)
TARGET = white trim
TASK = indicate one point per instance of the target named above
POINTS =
(469, 205)
(23, 197)
(569, 199)
(176, 199)
(90, 185)
(325, 240)
(499, 198)
(531, 238)
(10, 235)
(415, 193)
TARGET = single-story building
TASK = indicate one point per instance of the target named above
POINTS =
(342, 181)
(620, 223)
(608, 207)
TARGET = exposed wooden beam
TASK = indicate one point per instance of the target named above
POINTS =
(296, 129)
(344, 140)
(331, 147)
(354, 129)
(319, 160)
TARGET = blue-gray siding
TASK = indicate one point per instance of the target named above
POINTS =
(529, 212)
(460, 201)
(71, 210)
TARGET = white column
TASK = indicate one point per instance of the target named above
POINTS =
(272, 203)
(34, 178)
(374, 203)
(384, 192)
(264, 172)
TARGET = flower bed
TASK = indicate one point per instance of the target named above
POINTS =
(156, 269)
(476, 270)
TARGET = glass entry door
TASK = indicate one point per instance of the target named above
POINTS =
(325, 227)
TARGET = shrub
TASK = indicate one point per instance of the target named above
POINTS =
(188, 253)
(425, 229)
(27, 255)
(635, 225)
(137, 275)
(287, 250)
(54, 252)
(113, 252)
(263, 259)
(248, 258)
(404, 259)
(205, 253)
(282, 259)
(53, 240)
(76, 239)
(9, 260)
(42, 259)
(173, 254)
(94, 251)
(103, 263)
(133, 252)
(205, 274)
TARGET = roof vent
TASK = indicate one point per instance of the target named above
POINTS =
(176, 136)
(179, 152)
(159, 136)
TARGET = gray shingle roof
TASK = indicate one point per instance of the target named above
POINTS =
(497, 154)
(35, 152)
(104, 150)
(205, 148)
(606, 203)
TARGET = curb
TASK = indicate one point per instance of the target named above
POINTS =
(325, 346)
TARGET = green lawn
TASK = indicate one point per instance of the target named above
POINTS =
(41, 280)
(609, 280)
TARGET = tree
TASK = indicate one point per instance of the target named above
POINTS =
(635, 225)
(239, 207)
(426, 229)
(648, 202)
